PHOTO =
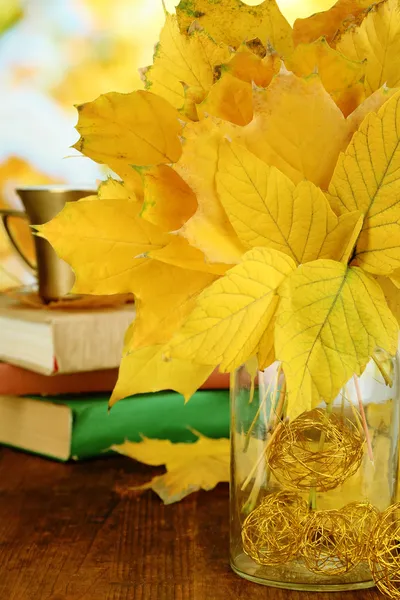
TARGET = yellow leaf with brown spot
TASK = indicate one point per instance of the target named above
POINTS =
(190, 467)
(209, 229)
(101, 240)
(231, 315)
(330, 321)
(327, 23)
(180, 60)
(267, 209)
(121, 130)
(377, 40)
(230, 99)
(367, 178)
(146, 370)
(181, 254)
(233, 22)
(168, 200)
(339, 75)
(249, 67)
(297, 128)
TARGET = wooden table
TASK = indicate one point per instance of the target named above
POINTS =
(67, 533)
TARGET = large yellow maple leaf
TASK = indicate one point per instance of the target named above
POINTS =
(297, 128)
(184, 60)
(331, 318)
(233, 22)
(190, 467)
(376, 40)
(267, 209)
(367, 178)
(231, 315)
(121, 130)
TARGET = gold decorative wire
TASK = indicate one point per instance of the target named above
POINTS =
(271, 534)
(328, 544)
(317, 450)
(384, 557)
(362, 517)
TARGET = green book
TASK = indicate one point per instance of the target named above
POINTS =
(76, 427)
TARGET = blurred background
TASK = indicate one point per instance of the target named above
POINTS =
(57, 53)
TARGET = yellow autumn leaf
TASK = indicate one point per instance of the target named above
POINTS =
(371, 104)
(367, 178)
(230, 99)
(326, 23)
(339, 74)
(184, 60)
(190, 467)
(297, 128)
(179, 253)
(146, 370)
(164, 296)
(121, 130)
(266, 347)
(209, 229)
(101, 240)
(233, 22)
(267, 209)
(377, 40)
(331, 319)
(392, 295)
(232, 314)
(11, 12)
(168, 200)
(249, 67)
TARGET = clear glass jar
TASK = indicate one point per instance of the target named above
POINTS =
(305, 493)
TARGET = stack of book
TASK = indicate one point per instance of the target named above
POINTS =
(57, 370)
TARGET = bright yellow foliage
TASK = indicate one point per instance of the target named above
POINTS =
(297, 128)
(184, 60)
(121, 130)
(181, 254)
(230, 99)
(267, 209)
(190, 467)
(168, 201)
(232, 314)
(249, 67)
(378, 41)
(367, 178)
(233, 22)
(331, 319)
(146, 370)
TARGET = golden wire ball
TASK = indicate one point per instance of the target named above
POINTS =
(384, 557)
(271, 534)
(362, 517)
(328, 545)
(317, 450)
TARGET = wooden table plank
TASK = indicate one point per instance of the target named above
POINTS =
(67, 533)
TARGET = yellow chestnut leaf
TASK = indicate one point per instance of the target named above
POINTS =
(339, 75)
(331, 319)
(146, 370)
(233, 22)
(326, 23)
(297, 128)
(233, 313)
(249, 67)
(209, 229)
(367, 178)
(377, 40)
(101, 240)
(179, 253)
(230, 99)
(121, 130)
(190, 467)
(267, 209)
(184, 59)
(164, 296)
(168, 200)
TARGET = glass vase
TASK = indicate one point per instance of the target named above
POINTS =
(306, 492)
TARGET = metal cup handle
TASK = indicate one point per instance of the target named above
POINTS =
(5, 214)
